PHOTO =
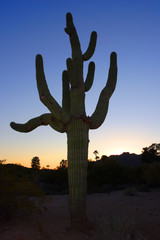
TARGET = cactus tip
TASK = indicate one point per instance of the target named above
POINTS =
(69, 22)
(114, 54)
(38, 56)
(12, 124)
(69, 17)
(113, 57)
(94, 33)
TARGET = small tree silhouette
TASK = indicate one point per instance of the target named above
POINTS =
(2, 161)
(96, 155)
(151, 153)
(64, 163)
(35, 163)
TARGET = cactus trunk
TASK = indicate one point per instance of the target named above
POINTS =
(77, 136)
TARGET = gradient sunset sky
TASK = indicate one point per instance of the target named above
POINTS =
(129, 27)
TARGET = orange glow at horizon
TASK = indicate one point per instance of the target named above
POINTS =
(52, 156)
(51, 147)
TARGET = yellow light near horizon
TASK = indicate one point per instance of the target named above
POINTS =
(115, 145)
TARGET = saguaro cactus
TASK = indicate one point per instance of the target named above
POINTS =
(71, 117)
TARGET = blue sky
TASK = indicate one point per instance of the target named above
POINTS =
(131, 28)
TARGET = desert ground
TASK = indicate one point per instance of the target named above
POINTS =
(116, 216)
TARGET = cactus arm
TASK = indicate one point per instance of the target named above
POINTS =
(100, 112)
(74, 40)
(43, 120)
(66, 92)
(44, 94)
(56, 125)
(72, 73)
(91, 47)
(74, 65)
(90, 76)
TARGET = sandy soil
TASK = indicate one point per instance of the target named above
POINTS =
(115, 215)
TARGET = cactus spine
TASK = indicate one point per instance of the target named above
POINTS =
(71, 117)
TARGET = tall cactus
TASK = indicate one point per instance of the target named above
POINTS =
(71, 117)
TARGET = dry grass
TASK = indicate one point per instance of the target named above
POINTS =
(117, 225)
(116, 216)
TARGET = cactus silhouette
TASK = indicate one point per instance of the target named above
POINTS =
(71, 117)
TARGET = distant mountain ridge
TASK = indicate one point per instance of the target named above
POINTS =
(127, 159)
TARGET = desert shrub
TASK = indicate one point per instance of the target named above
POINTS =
(61, 181)
(116, 224)
(16, 192)
(105, 189)
(131, 191)
(136, 175)
(54, 181)
(104, 173)
(151, 174)
(143, 188)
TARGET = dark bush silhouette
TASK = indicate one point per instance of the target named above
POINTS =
(106, 173)
(151, 175)
(151, 153)
(54, 181)
(17, 185)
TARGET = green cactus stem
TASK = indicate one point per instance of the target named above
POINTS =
(71, 117)
(43, 120)
(77, 135)
(90, 76)
(91, 48)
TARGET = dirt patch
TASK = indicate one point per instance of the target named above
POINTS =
(115, 216)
